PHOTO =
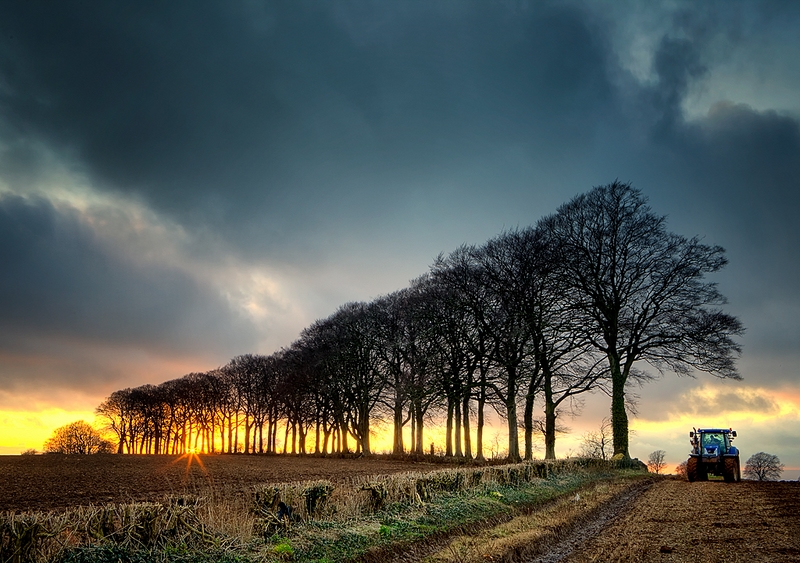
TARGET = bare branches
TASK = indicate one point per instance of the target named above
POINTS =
(532, 319)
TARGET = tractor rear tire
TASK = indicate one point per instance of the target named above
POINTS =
(691, 470)
(730, 469)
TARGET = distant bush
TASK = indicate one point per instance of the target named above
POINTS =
(29, 451)
(77, 438)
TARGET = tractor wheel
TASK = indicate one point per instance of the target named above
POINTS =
(738, 470)
(691, 469)
(730, 469)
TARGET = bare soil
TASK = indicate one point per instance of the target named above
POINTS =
(51, 482)
(709, 522)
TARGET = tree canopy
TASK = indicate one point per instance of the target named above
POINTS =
(77, 438)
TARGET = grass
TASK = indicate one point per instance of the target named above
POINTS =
(529, 532)
(366, 519)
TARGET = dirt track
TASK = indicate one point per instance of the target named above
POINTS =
(706, 522)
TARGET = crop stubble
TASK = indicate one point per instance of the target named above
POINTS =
(52, 482)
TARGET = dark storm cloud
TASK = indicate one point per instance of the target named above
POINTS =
(734, 172)
(297, 130)
(729, 175)
(219, 112)
(61, 282)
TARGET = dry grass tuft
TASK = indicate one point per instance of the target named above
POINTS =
(42, 536)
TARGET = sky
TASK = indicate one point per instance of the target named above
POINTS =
(181, 183)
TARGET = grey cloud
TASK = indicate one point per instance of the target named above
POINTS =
(60, 281)
(217, 119)
(734, 173)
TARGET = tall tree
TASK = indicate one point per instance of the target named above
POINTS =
(463, 317)
(644, 290)
(524, 264)
(116, 411)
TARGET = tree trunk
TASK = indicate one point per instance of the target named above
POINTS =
(511, 409)
(457, 433)
(467, 429)
(418, 414)
(364, 431)
(619, 416)
(448, 450)
(481, 404)
(397, 443)
(528, 422)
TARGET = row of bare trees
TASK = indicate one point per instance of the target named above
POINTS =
(526, 322)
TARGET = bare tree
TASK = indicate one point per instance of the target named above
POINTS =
(597, 444)
(465, 336)
(644, 289)
(77, 438)
(656, 463)
(681, 470)
(115, 410)
(423, 304)
(763, 467)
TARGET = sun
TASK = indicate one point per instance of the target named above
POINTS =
(191, 456)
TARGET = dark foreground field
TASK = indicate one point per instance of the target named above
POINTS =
(47, 482)
(712, 522)
(666, 520)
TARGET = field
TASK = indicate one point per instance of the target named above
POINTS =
(566, 512)
(710, 521)
(668, 520)
(49, 482)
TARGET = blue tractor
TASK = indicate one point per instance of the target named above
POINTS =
(713, 454)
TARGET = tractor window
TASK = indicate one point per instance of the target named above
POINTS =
(714, 440)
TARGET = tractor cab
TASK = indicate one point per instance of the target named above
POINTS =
(714, 444)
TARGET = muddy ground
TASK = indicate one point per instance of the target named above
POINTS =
(48, 482)
(708, 522)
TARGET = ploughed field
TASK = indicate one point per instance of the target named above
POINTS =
(709, 521)
(51, 482)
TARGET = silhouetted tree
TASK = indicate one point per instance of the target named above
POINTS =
(656, 463)
(429, 307)
(389, 318)
(561, 364)
(77, 438)
(465, 338)
(116, 411)
(763, 467)
(644, 290)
